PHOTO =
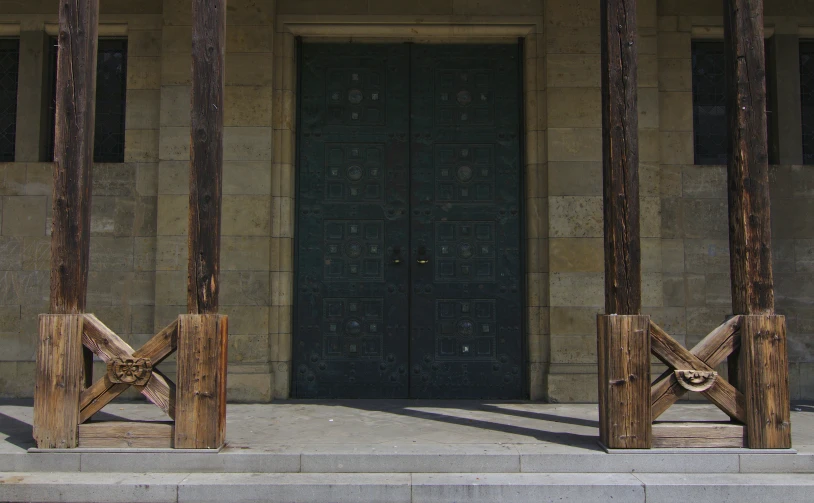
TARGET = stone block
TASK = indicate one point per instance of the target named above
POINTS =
(650, 217)
(648, 108)
(573, 40)
(172, 215)
(783, 259)
(250, 69)
(248, 348)
(672, 218)
(144, 72)
(114, 179)
(648, 70)
(171, 253)
(246, 388)
(675, 74)
(670, 181)
(672, 255)
(575, 178)
(675, 111)
(247, 106)
(143, 106)
(575, 144)
(677, 147)
(537, 289)
(247, 144)
(244, 253)
(573, 70)
(537, 255)
(42, 486)
(671, 319)
(569, 388)
(576, 255)
(696, 289)
(248, 38)
(706, 218)
(173, 178)
(246, 216)
(11, 253)
(175, 106)
(573, 349)
(243, 178)
(537, 217)
(674, 290)
(651, 255)
(176, 68)
(577, 289)
(244, 288)
(419, 7)
(39, 178)
(674, 45)
(24, 215)
(147, 179)
(12, 179)
(706, 255)
(649, 145)
(575, 216)
(111, 254)
(704, 181)
(174, 144)
(575, 107)
(321, 7)
(791, 218)
(141, 145)
(728, 486)
(576, 13)
(144, 43)
(171, 290)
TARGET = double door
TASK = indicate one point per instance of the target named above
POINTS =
(408, 273)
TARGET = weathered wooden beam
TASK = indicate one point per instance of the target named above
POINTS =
(58, 380)
(126, 434)
(697, 435)
(200, 420)
(748, 167)
(73, 159)
(623, 353)
(766, 382)
(620, 156)
(206, 166)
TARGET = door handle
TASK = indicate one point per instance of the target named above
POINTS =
(422, 255)
(396, 255)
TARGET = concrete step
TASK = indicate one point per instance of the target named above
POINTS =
(404, 487)
(437, 458)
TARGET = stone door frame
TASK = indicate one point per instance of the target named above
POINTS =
(431, 29)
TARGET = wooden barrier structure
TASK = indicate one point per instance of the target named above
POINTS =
(65, 396)
(753, 342)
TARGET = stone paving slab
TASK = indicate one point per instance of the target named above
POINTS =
(90, 487)
(728, 488)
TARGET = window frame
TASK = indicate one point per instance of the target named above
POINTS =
(10, 155)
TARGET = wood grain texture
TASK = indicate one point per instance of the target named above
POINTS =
(624, 381)
(748, 167)
(200, 421)
(73, 160)
(58, 381)
(766, 382)
(698, 435)
(127, 434)
(160, 390)
(620, 157)
(206, 167)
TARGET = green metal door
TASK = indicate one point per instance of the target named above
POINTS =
(408, 268)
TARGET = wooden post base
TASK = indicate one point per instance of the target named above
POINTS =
(623, 344)
(765, 381)
(58, 381)
(200, 417)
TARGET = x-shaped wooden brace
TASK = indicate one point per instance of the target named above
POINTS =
(112, 349)
(704, 357)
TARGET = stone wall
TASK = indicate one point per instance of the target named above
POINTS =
(138, 245)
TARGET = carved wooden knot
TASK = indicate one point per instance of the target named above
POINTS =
(696, 380)
(135, 371)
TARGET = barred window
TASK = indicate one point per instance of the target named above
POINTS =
(807, 99)
(709, 104)
(9, 72)
(111, 98)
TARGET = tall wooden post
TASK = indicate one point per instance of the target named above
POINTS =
(58, 361)
(762, 369)
(623, 337)
(202, 335)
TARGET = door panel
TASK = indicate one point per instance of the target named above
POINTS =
(352, 336)
(408, 273)
(465, 223)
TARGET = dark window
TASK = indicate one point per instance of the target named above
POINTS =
(9, 70)
(807, 99)
(111, 97)
(709, 104)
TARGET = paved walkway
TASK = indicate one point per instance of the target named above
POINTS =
(291, 426)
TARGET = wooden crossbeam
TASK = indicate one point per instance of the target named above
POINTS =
(705, 356)
(160, 390)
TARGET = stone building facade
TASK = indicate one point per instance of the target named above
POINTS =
(138, 244)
